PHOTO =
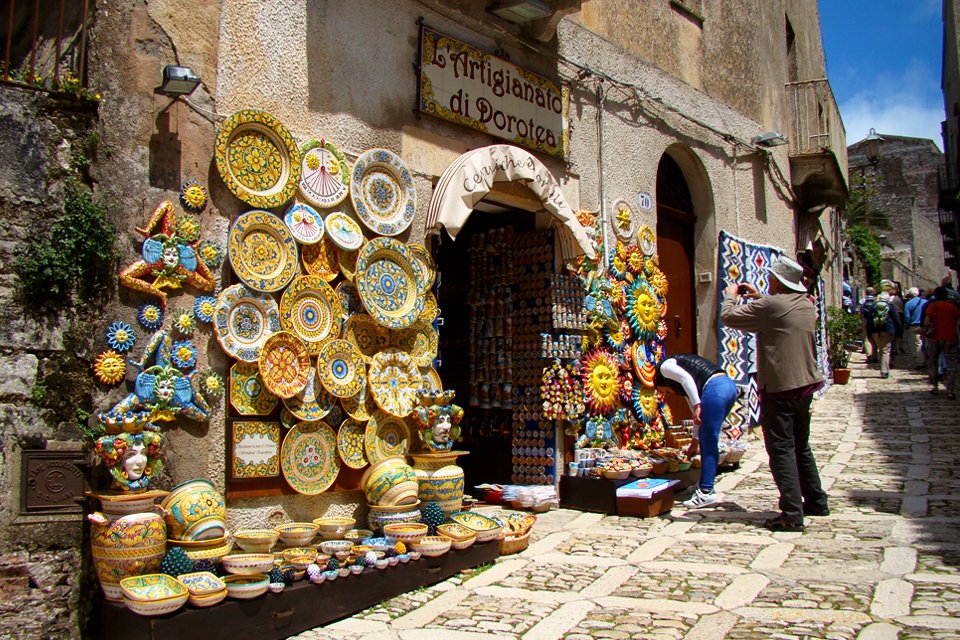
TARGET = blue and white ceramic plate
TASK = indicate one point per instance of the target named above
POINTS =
(383, 193)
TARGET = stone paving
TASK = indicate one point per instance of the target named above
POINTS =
(884, 565)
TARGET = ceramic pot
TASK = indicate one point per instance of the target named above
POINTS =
(390, 482)
(439, 479)
(841, 376)
(195, 510)
(125, 546)
(380, 515)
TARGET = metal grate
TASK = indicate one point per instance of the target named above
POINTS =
(45, 43)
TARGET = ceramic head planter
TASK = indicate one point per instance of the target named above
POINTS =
(438, 421)
(133, 458)
(169, 256)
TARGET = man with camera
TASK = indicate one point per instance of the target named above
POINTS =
(787, 377)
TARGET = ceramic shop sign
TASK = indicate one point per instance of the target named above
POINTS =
(478, 90)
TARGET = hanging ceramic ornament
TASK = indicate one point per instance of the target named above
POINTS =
(304, 223)
(325, 173)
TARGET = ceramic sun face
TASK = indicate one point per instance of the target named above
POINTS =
(643, 310)
(601, 380)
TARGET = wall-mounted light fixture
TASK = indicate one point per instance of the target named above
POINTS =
(769, 139)
(521, 11)
(178, 81)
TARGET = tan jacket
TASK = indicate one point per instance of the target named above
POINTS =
(785, 325)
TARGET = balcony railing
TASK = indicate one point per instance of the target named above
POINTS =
(44, 44)
(815, 124)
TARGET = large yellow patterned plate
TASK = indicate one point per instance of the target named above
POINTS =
(383, 193)
(389, 284)
(311, 309)
(248, 395)
(285, 364)
(366, 334)
(341, 368)
(243, 320)
(428, 268)
(312, 403)
(308, 458)
(430, 309)
(350, 444)
(361, 406)
(320, 259)
(257, 158)
(394, 382)
(325, 174)
(385, 436)
(431, 380)
(347, 262)
(419, 340)
(344, 232)
(262, 251)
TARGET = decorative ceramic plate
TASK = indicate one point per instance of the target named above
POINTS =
(347, 261)
(389, 283)
(320, 259)
(311, 309)
(647, 240)
(385, 436)
(350, 444)
(304, 223)
(350, 302)
(262, 251)
(361, 406)
(366, 334)
(248, 395)
(285, 364)
(341, 368)
(309, 458)
(257, 158)
(382, 191)
(430, 309)
(325, 174)
(394, 382)
(428, 268)
(419, 340)
(243, 320)
(431, 380)
(312, 403)
(623, 220)
(344, 232)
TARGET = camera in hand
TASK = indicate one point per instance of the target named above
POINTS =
(743, 290)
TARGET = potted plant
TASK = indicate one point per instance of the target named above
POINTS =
(842, 328)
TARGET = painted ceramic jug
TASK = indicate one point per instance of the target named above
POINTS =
(195, 511)
(126, 545)
(439, 479)
(390, 482)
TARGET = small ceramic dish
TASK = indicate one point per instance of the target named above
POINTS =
(403, 558)
(335, 547)
(379, 544)
(334, 528)
(405, 532)
(393, 561)
(299, 552)
(356, 569)
(297, 534)
(256, 540)
(382, 563)
(456, 531)
(153, 594)
(247, 586)
(208, 600)
(343, 572)
(330, 575)
(201, 583)
(415, 555)
(246, 564)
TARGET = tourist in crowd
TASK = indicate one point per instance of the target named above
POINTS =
(941, 323)
(869, 348)
(883, 323)
(896, 304)
(710, 393)
(913, 334)
(785, 324)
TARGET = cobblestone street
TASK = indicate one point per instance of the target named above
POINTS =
(884, 565)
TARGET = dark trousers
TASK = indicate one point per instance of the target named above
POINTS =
(786, 436)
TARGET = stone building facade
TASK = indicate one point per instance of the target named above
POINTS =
(678, 87)
(949, 217)
(901, 187)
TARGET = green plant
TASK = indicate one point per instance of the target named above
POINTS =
(842, 328)
(77, 257)
(38, 395)
(867, 250)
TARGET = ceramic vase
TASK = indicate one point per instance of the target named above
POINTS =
(379, 515)
(390, 482)
(195, 511)
(125, 545)
(439, 479)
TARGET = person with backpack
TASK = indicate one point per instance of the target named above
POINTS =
(883, 324)
(941, 322)
(866, 309)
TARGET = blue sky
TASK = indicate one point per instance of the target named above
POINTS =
(883, 61)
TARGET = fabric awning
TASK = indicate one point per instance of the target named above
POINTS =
(470, 178)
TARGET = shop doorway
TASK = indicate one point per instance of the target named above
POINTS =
(675, 247)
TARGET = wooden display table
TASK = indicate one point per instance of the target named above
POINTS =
(599, 495)
(302, 605)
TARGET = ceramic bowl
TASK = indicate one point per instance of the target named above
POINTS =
(201, 583)
(195, 510)
(300, 563)
(415, 555)
(405, 532)
(431, 546)
(209, 599)
(333, 547)
(382, 563)
(403, 558)
(462, 544)
(343, 572)
(393, 561)
(684, 466)
(611, 474)
(356, 535)
(330, 575)
(642, 471)
(297, 534)
(298, 552)
(356, 569)
(247, 586)
(379, 544)
(460, 536)
(276, 587)
(380, 515)
(334, 528)
(487, 528)
(256, 540)
(390, 482)
(153, 594)
(246, 564)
